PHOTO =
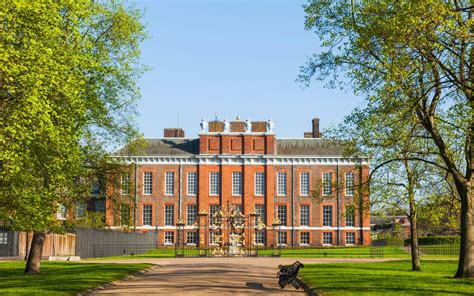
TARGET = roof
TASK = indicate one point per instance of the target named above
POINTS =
(184, 147)
(166, 146)
(307, 146)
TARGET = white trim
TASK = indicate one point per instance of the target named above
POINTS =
(166, 173)
(218, 184)
(309, 183)
(195, 183)
(230, 159)
(255, 184)
(143, 183)
(322, 228)
(306, 228)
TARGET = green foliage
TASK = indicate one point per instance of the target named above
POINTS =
(67, 87)
(61, 277)
(413, 61)
(91, 220)
(437, 240)
(385, 278)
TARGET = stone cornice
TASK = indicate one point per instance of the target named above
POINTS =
(243, 160)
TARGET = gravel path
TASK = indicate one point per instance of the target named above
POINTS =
(211, 276)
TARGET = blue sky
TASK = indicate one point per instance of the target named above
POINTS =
(231, 58)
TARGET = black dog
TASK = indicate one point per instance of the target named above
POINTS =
(288, 274)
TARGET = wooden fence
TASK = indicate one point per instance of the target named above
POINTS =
(85, 243)
(54, 245)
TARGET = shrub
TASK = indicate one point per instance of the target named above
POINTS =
(436, 240)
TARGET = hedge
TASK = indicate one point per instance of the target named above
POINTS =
(436, 240)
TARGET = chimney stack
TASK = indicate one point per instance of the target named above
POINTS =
(173, 133)
(316, 133)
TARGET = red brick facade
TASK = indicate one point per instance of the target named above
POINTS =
(228, 152)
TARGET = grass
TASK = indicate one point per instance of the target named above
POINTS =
(386, 278)
(63, 278)
(434, 252)
(154, 253)
(345, 252)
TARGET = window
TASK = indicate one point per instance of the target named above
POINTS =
(350, 217)
(213, 238)
(191, 214)
(214, 183)
(304, 184)
(327, 184)
(61, 214)
(169, 183)
(147, 182)
(81, 210)
(327, 238)
(327, 215)
(350, 184)
(147, 213)
(169, 215)
(192, 183)
(282, 238)
(236, 183)
(304, 216)
(213, 209)
(259, 237)
(260, 210)
(191, 238)
(3, 238)
(169, 238)
(304, 238)
(350, 238)
(281, 183)
(125, 215)
(125, 184)
(281, 213)
(99, 205)
(259, 183)
(95, 186)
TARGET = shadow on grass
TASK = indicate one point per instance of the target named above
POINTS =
(60, 277)
(385, 278)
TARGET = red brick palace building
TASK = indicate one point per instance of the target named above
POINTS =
(303, 187)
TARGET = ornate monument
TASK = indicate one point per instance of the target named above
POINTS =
(269, 126)
(248, 126)
(203, 125)
(226, 126)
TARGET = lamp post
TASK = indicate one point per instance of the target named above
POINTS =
(276, 230)
(179, 246)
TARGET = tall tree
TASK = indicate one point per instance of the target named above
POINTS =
(397, 179)
(419, 57)
(67, 89)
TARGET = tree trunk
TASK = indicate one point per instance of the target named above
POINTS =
(466, 255)
(36, 250)
(415, 254)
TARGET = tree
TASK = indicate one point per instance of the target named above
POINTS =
(67, 89)
(415, 58)
(396, 181)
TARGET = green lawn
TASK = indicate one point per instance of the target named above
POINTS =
(387, 278)
(321, 252)
(61, 277)
(345, 252)
(155, 253)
